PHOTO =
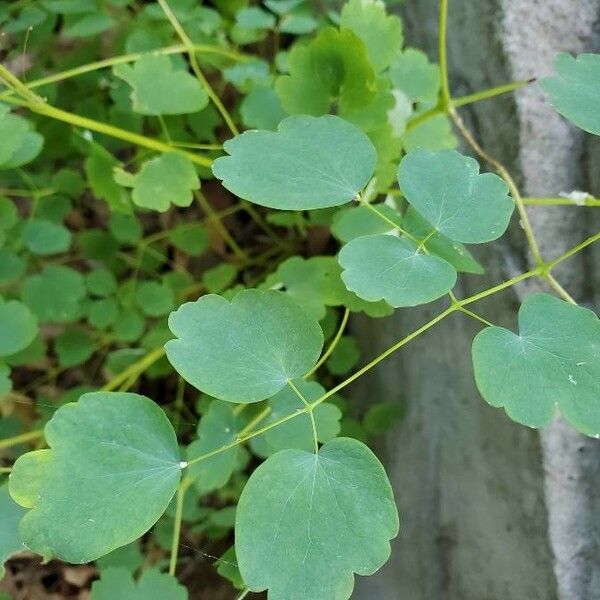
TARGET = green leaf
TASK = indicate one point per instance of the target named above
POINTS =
(416, 76)
(97, 244)
(357, 221)
(191, 238)
(315, 283)
(453, 252)
(218, 427)
(255, 17)
(164, 180)
(159, 89)
(10, 515)
(19, 143)
(382, 417)
(45, 237)
(308, 163)
(154, 299)
(99, 166)
(12, 266)
(332, 68)
(448, 191)
(219, 278)
(8, 214)
(103, 313)
(551, 365)
(126, 229)
(261, 109)
(306, 523)
(117, 582)
(345, 356)
(110, 454)
(434, 134)
(387, 267)
(101, 282)
(381, 33)
(73, 347)
(18, 327)
(127, 557)
(88, 25)
(244, 350)
(575, 90)
(297, 433)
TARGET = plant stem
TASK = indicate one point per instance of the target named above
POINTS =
(196, 67)
(22, 438)
(332, 346)
(488, 93)
(442, 54)
(58, 114)
(5, 470)
(388, 220)
(243, 594)
(385, 354)
(456, 306)
(559, 288)
(135, 369)
(503, 172)
(261, 416)
(574, 250)
(127, 58)
(589, 201)
(310, 411)
(182, 488)
(211, 215)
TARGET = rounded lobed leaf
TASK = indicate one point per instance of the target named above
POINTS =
(117, 583)
(244, 350)
(307, 522)
(111, 471)
(18, 327)
(575, 90)
(447, 189)
(159, 89)
(307, 163)
(553, 363)
(10, 515)
(390, 268)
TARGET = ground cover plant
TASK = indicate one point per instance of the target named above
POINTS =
(194, 201)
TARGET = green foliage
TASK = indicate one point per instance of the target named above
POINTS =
(332, 68)
(381, 33)
(552, 364)
(297, 433)
(104, 145)
(19, 143)
(238, 365)
(163, 181)
(18, 327)
(448, 191)
(575, 89)
(159, 89)
(387, 267)
(10, 515)
(337, 513)
(116, 582)
(124, 449)
(308, 163)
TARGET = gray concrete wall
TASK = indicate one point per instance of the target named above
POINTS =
(491, 510)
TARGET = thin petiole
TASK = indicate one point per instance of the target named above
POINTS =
(388, 220)
(333, 344)
(309, 408)
(183, 487)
